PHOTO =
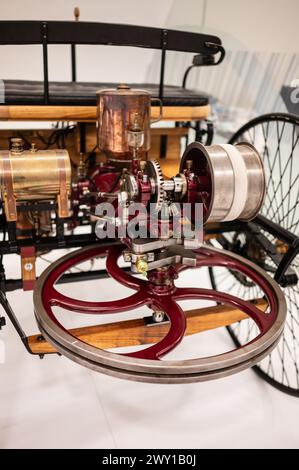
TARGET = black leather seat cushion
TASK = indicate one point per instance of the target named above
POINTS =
(84, 93)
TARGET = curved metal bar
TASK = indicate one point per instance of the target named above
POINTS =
(186, 75)
(86, 32)
(217, 48)
(197, 62)
(55, 298)
(207, 258)
(67, 263)
(264, 321)
(287, 260)
(174, 336)
(52, 297)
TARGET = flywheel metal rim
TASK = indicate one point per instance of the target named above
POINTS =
(159, 378)
(247, 353)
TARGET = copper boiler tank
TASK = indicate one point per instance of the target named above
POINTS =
(123, 121)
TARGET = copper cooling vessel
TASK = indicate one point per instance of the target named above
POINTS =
(120, 111)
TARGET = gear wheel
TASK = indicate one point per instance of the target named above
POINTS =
(154, 172)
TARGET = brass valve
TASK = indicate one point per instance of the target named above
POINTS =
(142, 265)
(17, 145)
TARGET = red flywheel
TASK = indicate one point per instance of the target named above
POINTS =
(159, 292)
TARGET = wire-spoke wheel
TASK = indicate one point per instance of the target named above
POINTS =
(276, 137)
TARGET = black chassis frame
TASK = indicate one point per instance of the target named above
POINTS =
(61, 241)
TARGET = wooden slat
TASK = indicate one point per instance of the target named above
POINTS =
(169, 131)
(88, 113)
(173, 134)
(72, 143)
(171, 146)
(136, 332)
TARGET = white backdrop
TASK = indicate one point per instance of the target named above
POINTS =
(258, 25)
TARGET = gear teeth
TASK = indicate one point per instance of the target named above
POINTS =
(160, 182)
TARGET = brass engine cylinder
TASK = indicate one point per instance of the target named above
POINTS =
(121, 112)
(30, 175)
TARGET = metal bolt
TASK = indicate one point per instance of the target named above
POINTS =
(142, 165)
(158, 316)
(127, 256)
(189, 164)
(28, 266)
(33, 147)
(151, 256)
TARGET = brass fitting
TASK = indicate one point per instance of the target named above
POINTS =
(141, 265)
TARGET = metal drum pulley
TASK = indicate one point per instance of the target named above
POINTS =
(231, 180)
